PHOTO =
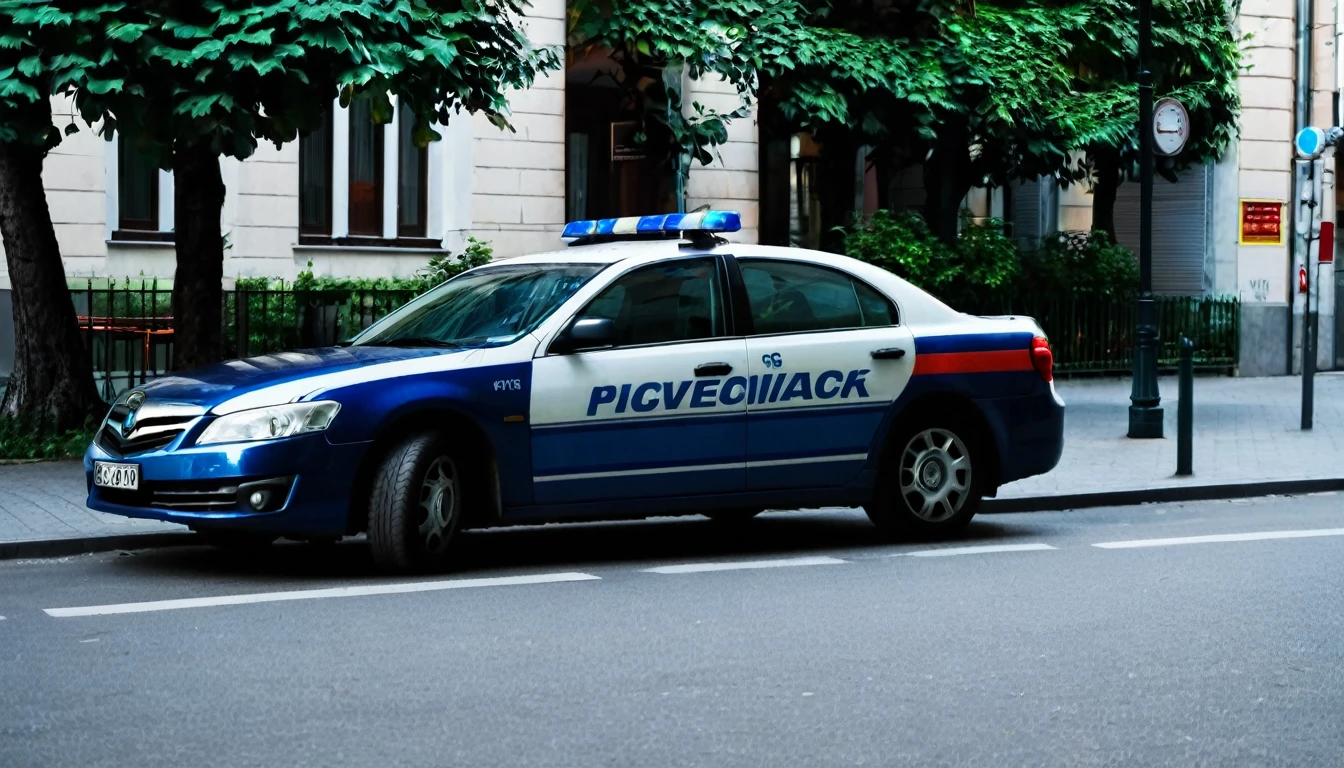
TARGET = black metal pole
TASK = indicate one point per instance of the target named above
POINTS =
(1185, 410)
(1145, 412)
(1308, 326)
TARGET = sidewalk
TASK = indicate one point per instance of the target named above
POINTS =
(1246, 434)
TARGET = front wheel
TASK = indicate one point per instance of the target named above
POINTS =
(416, 506)
(931, 487)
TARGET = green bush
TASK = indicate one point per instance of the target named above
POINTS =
(981, 267)
(1080, 262)
(32, 440)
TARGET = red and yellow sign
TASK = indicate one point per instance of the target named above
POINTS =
(1261, 222)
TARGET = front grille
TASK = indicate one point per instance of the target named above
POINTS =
(155, 426)
(112, 442)
(200, 495)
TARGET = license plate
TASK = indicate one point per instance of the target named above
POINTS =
(121, 476)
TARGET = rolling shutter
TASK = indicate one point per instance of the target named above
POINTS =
(1180, 229)
(1034, 208)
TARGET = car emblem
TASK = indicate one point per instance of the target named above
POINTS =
(133, 403)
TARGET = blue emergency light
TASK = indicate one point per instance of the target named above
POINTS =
(700, 221)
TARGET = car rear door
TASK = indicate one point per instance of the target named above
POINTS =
(827, 358)
(663, 412)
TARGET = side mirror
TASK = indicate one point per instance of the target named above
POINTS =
(585, 333)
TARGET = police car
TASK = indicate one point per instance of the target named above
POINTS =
(650, 368)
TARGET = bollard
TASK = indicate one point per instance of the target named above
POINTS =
(1185, 417)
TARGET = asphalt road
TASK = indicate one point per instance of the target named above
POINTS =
(559, 646)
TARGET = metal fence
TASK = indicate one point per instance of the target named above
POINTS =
(128, 326)
(1095, 334)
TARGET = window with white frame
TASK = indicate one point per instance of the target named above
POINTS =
(139, 195)
(364, 184)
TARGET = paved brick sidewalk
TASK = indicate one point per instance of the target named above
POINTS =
(40, 502)
(1246, 430)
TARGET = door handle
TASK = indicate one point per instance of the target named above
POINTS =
(891, 353)
(713, 369)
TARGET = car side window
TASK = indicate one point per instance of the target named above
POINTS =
(680, 300)
(792, 297)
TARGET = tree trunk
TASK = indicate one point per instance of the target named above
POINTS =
(198, 201)
(52, 382)
(1106, 167)
(947, 179)
(839, 187)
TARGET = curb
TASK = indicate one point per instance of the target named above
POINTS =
(83, 545)
(1166, 495)
(17, 550)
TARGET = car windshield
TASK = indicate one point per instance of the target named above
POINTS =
(482, 308)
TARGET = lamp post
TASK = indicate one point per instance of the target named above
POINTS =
(1145, 410)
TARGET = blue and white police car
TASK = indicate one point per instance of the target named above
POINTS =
(651, 368)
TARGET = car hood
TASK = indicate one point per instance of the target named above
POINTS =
(214, 384)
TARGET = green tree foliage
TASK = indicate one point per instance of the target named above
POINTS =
(191, 82)
(979, 92)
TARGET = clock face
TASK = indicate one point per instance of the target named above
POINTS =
(1171, 127)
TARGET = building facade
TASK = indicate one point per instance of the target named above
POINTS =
(356, 199)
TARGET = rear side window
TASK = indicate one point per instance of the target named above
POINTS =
(792, 297)
(680, 300)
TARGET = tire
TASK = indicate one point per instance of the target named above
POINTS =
(732, 516)
(931, 481)
(415, 506)
(236, 541)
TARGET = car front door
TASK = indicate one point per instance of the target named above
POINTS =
(827, 358)
(662, 412)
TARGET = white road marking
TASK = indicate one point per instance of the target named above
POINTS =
(315, 594)
(982, 550)
(1221, 538)
(744, 565)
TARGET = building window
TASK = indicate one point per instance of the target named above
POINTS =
(137, 188)
(366, 171)
(363, 184)
(315, 180)
(412, 177)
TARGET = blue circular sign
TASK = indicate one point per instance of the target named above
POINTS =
(1310, 142)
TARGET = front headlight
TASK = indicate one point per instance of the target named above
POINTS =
(270, 423)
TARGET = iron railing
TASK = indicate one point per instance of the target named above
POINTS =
(1095, 334)
(128, 326)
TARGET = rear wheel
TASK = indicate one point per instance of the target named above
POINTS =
(416, 505)
(931, 482)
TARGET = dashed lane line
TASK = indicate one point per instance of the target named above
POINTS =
(744, 565)
(315, 594)
(978, 550)
(1221, 538)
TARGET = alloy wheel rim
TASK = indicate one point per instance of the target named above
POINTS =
(438, 504)
(935, 476)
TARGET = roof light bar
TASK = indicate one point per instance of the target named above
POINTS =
(701, 221)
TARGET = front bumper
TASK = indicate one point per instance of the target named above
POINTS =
(317, 502)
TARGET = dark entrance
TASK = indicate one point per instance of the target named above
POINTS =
(609, 172)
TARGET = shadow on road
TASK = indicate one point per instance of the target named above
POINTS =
(574, 546)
